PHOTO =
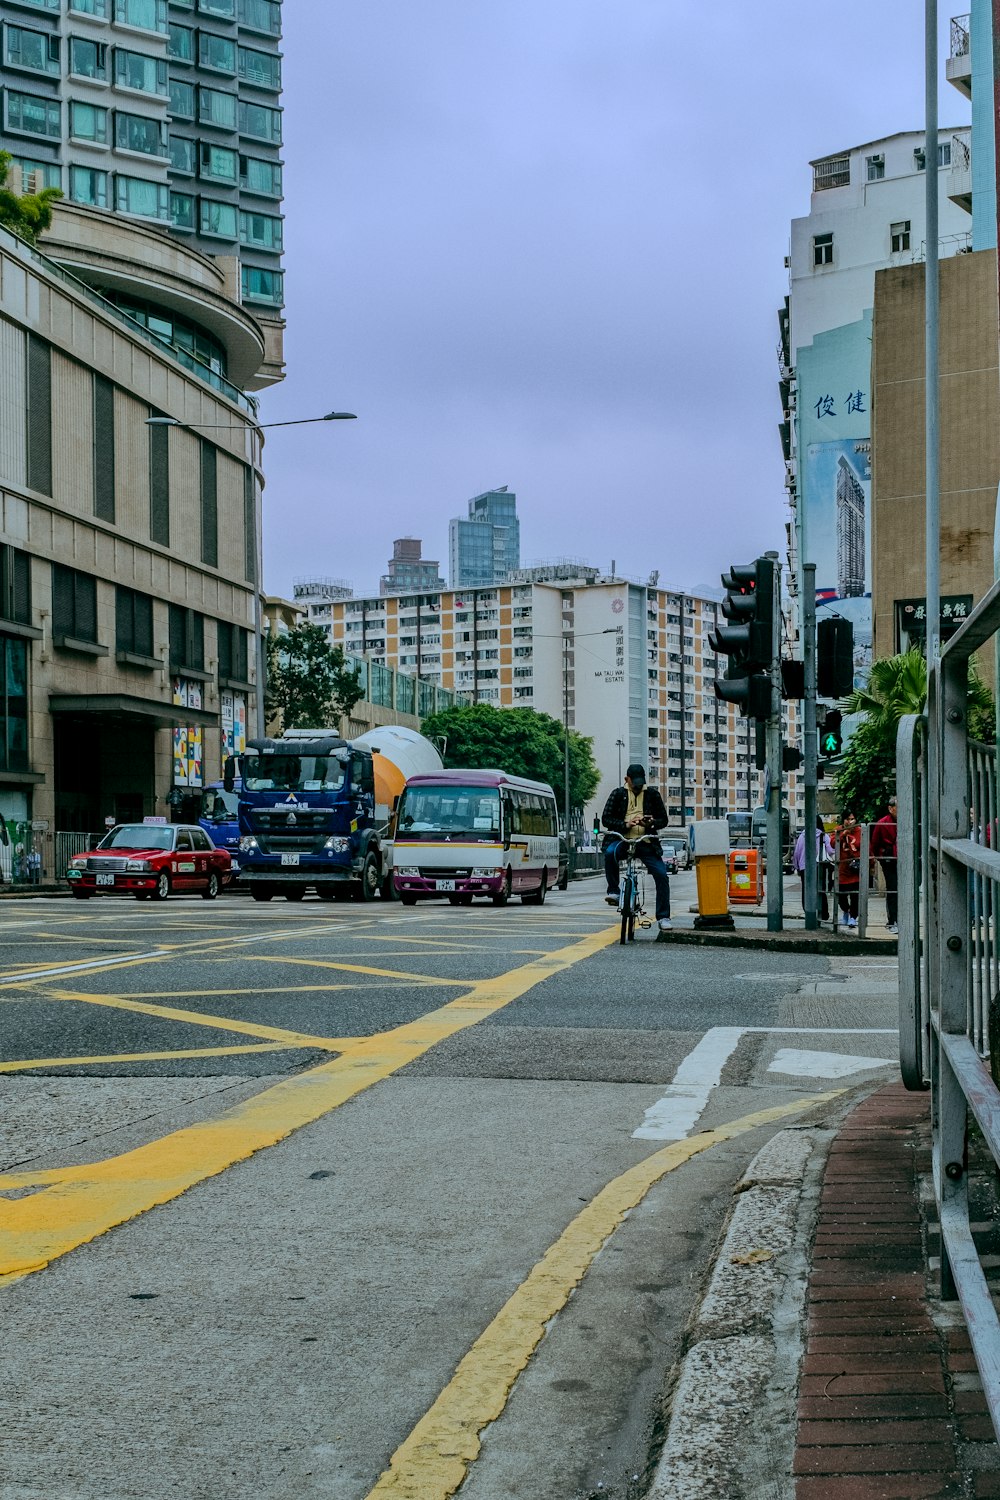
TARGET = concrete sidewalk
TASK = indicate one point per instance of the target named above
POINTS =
(822, 1363)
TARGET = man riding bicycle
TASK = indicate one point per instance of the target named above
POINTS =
(632, 811)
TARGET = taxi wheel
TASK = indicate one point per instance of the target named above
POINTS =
(212, 888)
(162, 890)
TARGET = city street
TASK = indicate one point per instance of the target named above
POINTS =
(276, 1182)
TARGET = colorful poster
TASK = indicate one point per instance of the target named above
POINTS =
(838, 532)
(187, 740)
(234, 724)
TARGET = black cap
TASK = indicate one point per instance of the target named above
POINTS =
(635, 773)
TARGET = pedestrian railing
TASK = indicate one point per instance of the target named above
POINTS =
(949, 891)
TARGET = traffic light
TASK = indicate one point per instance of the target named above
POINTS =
(830, 738)
(749, 640)
(834, 658)
(791, 758)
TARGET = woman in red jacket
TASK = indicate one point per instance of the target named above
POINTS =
(849, 869)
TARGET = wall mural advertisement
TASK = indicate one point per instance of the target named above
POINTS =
(187, 741)
(838, 530)
(234, 724)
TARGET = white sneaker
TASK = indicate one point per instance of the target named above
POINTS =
(891, 927)
(852, 921)
(666, 925)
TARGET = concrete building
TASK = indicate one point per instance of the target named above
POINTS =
(164, 114)
(486, 547)
(314, 598)
(627, 664)
(409, 572)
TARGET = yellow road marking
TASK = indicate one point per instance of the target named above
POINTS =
(197, 1018)
(128, 1057)
(86, 1201)
(432, 1461)
(331, 963)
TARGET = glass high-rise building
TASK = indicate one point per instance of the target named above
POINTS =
(168, 112)
(486, 547)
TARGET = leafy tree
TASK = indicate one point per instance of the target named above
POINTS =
(519, 741)
(27, 214)
(310, 683)
(897, 685)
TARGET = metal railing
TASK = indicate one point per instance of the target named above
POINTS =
(949, 972)
(959, 36)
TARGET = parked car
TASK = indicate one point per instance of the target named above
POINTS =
(670, 859)
(151, 860)
(682, 856)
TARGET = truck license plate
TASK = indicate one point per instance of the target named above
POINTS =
(289, 859)
(444, 885)
(104, 880)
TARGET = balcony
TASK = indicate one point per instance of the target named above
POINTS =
(958, 67)
(958, 182)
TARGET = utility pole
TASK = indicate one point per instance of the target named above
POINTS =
(775, 853)
(809, 741)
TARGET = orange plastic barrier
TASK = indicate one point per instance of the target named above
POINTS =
(746, 877)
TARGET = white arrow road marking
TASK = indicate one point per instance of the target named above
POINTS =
(824, 1064)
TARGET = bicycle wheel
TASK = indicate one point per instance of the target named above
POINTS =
(627, 908)
(635, 907)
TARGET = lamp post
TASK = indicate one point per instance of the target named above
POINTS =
(330, 416)
(621, 747)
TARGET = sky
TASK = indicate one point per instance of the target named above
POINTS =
(540, 243)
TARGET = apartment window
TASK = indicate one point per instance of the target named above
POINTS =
(263, 231)
(15, 585)
(182, 211)
(31, 115)
(249, 526)
(216, 52)
(899, 236)
(875, 168)
(209, 505)
(217, 108)
(182, 155)
(13, 704)
(43, 4)
(88, 185)
(261, 121)
(141, 134)
(159, 483)
(262, 286)
(262, 69)
(99, 9)
(134, 70)
(186, 631)
(263, 177)
(133, 623)
(51, 174)
(261, 15)
(88, 122)
(218, 8)
(833, 173)
(944, 154)
(88, 59)
(218, 163)
(233, 652)
(104, 449)
(218, 219)
(39, 415)
(37, 51)
(181, 100)
(180, 44)
(144, 15)
(822, 249)
(74, 605)
(136, 195)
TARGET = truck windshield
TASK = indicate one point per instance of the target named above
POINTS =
(219, 806)
(468, 813)
(139, 836)
(292, 773)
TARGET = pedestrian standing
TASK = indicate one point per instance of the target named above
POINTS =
(824, 863)
(849, 869)
(885, 849)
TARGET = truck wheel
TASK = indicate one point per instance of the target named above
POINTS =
(295, 893)
(261, 892)
(326, 892)
(368, 885)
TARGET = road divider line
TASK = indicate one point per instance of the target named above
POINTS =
(85, 1201)
(332, 963)
(83, 966)
(200, 1018)
(432, 1462)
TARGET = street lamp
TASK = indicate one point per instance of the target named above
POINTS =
(331, 416)
(621, 747)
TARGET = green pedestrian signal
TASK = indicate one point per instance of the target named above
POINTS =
(830, 738)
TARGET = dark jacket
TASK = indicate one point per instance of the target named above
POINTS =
(616, 807)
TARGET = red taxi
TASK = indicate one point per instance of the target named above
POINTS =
(151, 860)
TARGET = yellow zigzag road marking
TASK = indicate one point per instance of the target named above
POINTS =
(127, 1057)
(432, 1462)
(331, 963)
(86, 1201)
(199, 1018)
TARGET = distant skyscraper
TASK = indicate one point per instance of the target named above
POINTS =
(486, 547)
(850, 533)
(409, 573)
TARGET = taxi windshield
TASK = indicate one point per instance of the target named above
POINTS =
(139, 836)
(292, 773)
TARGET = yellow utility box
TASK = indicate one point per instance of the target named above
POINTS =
(710, 846)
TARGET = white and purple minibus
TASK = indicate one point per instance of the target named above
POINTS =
(462, 834)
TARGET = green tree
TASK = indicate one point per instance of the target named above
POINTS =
(27, 214)
(310, 683)
(519, 741)
(897, 685)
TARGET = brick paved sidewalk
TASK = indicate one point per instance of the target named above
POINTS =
(890, 1403)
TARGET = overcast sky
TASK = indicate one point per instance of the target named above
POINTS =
(539, 243)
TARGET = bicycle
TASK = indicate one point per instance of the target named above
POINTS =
(631, 877)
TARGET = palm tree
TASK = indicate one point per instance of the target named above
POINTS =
(27, 214)
(897, 685)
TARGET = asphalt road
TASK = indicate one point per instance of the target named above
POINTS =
(293, 1197)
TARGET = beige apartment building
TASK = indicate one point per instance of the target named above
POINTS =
(627, 664)
(128, 551)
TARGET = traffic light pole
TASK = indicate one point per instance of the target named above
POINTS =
(809, 742)
(775, 853)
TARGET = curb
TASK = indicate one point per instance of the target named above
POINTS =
(780, 942)
(732, 1420)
